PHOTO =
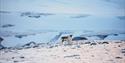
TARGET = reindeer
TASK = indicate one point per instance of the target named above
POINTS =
(68, 39)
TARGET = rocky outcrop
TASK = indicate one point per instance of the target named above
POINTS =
(30, 45)
(7, 25)
(79, 38)
(20, 36)
(35, 15)
(1, 46)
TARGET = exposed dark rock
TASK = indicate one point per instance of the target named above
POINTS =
(115, 34)
(33, 45)
(123, 50)
(7, 25)
(13, 57)
(5, 12)
(38, 16)
(22, 57)
(79, 38)
(87, 42)
(15, 61)
(9, 47)
(20, 36)
(30, 14)
(102, 37)
(80, 16)
(105, 42)
(75, 55)
(50, 46)
(41, 45)
(35, 15)
(1, 46)
(118, 57)
(46, 14)
(93, 44)
(1, 39)
(119, 45)
(30, 45)
(25, 13)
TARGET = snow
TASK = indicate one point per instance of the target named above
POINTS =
(44, 20)
(82, 53)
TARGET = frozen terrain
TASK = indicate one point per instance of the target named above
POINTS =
(16, 29)
(31, 31)
(88, 52)
(44, 21)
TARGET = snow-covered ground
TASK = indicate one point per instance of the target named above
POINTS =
(30, 31)
(107, 52)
